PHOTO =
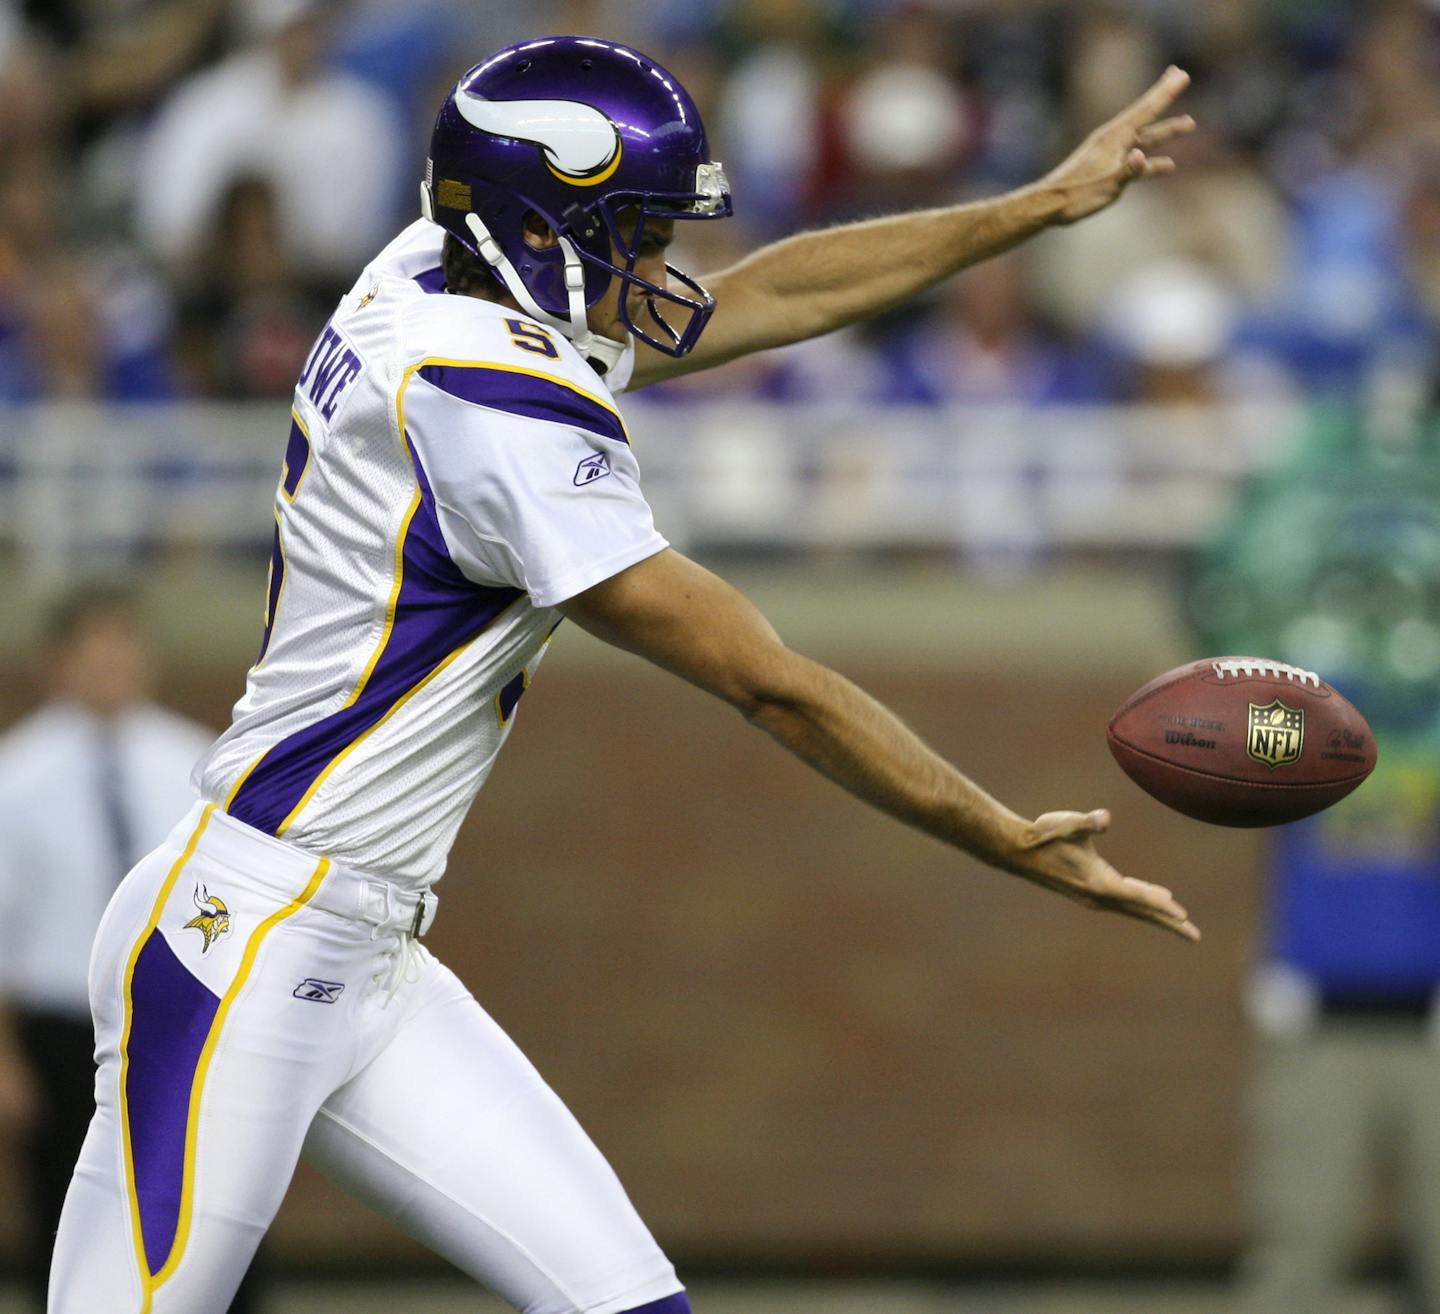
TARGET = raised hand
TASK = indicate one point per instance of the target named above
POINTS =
(1058, 851)
(1118, 152)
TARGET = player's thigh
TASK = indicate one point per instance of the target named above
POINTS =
(209, 1073)
(452, 1133)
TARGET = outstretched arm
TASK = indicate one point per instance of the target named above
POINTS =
(683, 618)
(809, 284)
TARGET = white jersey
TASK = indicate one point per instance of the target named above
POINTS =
(454, 470)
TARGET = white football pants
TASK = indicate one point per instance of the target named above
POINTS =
(239, 1020)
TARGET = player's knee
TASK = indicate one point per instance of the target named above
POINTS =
(679, 1303)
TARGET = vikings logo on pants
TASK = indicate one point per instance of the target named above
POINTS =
(214, 919)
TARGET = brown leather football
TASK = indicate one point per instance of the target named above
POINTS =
(1242, 741)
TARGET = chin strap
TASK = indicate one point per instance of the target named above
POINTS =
(605, 353)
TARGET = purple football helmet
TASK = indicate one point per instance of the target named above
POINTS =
(595, 138)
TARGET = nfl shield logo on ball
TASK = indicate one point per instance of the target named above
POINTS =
(1276, 734)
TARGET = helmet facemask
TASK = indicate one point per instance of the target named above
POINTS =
(625, 218)
(605, 237)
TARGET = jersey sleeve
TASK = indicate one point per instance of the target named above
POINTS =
(534, 482)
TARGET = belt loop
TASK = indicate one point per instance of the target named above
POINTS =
(379, 917)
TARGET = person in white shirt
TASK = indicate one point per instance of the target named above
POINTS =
(89, 782)
(276, 112)
(457, 480)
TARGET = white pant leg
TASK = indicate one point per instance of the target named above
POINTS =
(452, 1134)
(210, 1071)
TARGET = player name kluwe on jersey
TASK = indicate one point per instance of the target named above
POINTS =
(331, 367)
(412, 625)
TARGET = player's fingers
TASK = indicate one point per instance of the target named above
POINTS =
(1106, 888)
(1150, 893)
(1161, 907)
(1159, 97)
(1157, 164)
(1135, 163)
(1183, 927)
(1155, 133)
(1177, 922)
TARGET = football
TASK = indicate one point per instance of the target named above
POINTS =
(1242, 741)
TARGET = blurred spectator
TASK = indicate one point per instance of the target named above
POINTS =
(989, 343)
(1349, 1064)
(77, 320)
(82, 329)
(777, 81)
(326, 142)
(248, 318)
(905, 122)
(1173, 321)
(1218, 214)
(115, 56)
(88, 783)
(1112, 58)
(1332, 564)
(1305, 194)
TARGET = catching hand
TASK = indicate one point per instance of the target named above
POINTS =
(1058, 851)
(1117, 153)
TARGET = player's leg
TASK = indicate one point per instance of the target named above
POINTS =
(209, 1074)
(452, 1134)
(1312, 1142)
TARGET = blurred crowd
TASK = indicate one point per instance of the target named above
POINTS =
(187, 185)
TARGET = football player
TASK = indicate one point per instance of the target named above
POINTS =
(457, 480)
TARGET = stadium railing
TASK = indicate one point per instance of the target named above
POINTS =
(85, 483)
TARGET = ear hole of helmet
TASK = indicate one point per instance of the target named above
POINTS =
(539, 236)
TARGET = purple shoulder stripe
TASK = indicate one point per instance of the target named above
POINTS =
(532, 395)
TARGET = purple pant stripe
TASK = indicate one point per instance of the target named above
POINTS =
(171, 1016)
(679, 1303)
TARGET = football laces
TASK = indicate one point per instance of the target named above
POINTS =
(1238, 666)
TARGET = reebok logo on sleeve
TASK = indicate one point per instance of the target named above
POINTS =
(591, 468)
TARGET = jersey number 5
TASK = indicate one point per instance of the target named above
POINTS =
(531, 337)
(292, 475)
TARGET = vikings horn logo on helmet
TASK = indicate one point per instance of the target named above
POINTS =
(214, 919)
(580, 143)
